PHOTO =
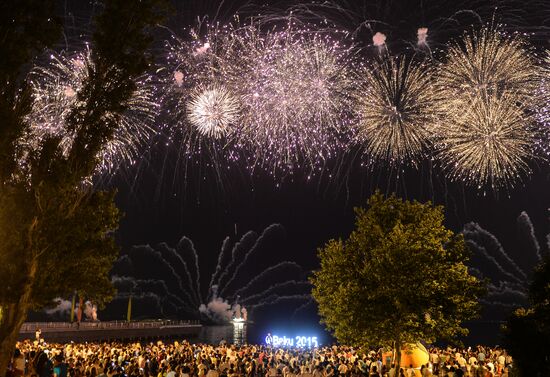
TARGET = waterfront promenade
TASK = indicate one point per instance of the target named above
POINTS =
(109, 330)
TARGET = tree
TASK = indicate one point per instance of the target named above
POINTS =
(399, 278)
(56, 230)
(527, 332)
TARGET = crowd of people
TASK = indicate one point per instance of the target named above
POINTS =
(182, 359)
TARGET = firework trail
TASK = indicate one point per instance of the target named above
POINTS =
(186, 247)
(226, 246)
(397, 112)
(527, 233)
(178, 263)
(154, 274)
(144, 290)
(57, 88)
(143, 257)
(269, 274)
(485, 257)
(143, 265)
(274, 230)
(282, 287)
(286, 300)
(303, 307)
(239, 250)
(123, 266)
(508, 282)
(505, 295)
(149, 297)
(491, 246)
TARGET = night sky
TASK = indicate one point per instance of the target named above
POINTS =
(163, 201)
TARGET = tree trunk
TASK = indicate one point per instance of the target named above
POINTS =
(397, 357)
(13, 319)
(13, 316)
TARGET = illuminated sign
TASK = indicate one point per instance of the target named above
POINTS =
(297, 341)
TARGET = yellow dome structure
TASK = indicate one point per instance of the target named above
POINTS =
(415, 355)
(412, 354)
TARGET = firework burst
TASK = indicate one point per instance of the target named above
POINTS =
(489, 62)
(294, 85)
(56, 91)
(213, 111)
(397, 111)
(489, 87)
(202, 111)
(279, 97)
(488, 142)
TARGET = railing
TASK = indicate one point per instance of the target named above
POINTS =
(98, 325)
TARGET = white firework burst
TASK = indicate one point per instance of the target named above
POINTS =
(213, 111)
(56, 91)
(201, 109)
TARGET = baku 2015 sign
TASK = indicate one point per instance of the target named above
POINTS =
(298, 341)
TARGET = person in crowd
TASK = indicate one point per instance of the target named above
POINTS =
(18, 365)
(60, 368)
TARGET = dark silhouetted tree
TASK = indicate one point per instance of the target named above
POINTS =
(527, 332)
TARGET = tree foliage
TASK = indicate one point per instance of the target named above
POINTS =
(56, 230)
(400, 277)
(527, 333)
